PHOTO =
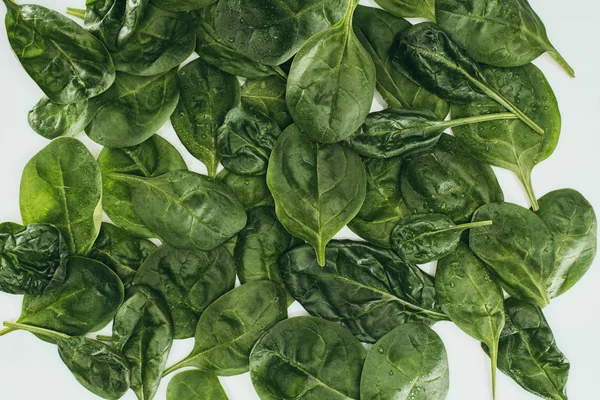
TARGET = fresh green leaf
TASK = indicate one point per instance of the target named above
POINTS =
(317, 188)
(182, 5)
(251, 191)
(61, 185)
(267, 95)
(113, 21)
(410, 8)
(207, 95)
(195, 385)
(367, 289)
(52, 120)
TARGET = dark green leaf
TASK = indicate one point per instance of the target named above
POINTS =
(271, 31)
(410, 362)
(189, 281)
(432, 59)
(207, 95)
(114, 21)
(510, 144)
(251, 191)
(505, 33)
(143, 333)
(410, 8)
(67, 62)
(33, 259)
(331, 84)
(528, 353)
(267, 95)
(230, 326)
(61, 185)
(182, 5)
(517, 247)
(154, 157)
(259, 246)
(367, 289)
(52, 120)
(317, 188)
(245, 141)
(422, 238)
(121, 251)
(383, 206)
(376, 30)
(307, 358)
(448, 180)
(185, 209)
(133, 109)
(471, 299)
(195, 385)
(572, 222)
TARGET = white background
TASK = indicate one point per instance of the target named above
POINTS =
(31, 369)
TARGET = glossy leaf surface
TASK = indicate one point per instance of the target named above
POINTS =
(195, 385)
(114, 21)
(410, 8)
(251, 191)
(267, 95)
(52, 120)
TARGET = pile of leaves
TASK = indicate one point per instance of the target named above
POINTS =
(302, 158)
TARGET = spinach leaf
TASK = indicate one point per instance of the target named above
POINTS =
(133, 109)
(282, 369)
(376, 30)
(86, 302)
(383, 206)
(182, 5)
(113, 21)
(272, 31)
(431, 58)
(367, 289)
(422, 238)
(207, 95)
(267, 95)
(509, 144)
(33, 259)
(61, 185)
(245, 141)
(143, 333)
(448, 180)
(154, 157)
(189, 281)
(317, 188)
(331, 83)
(161, 42)
(195, 385)
(471, 299)
(185, 209)
(410, 8)
(572, 222)
(121, 251)
(52, 120)
(67, 62)
(528, 353)
(217, 52)
(259, 246)
(251, 191)
(500, 33)
(230, 326)
(402, 132)
(410, 362)
(517, 247)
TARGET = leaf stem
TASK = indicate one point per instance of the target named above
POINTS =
(280, 72)
(104, 338)
(6, 331)
(494, 366)
(174, 367)
(36, 330)
(525, 179)
(475, 119)
(476, 224)
(320, 251)
(10, 4)
(562, 62)
(76, 12)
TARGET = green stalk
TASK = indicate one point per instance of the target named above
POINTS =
(6, 330)
(104, 338)
(494, 364)
(174, 367)
(525, 178)
(76, 12)
(562, 62)
(10, 4)
(280, 72)
(36, 330)
(474, 120)
(471, 225)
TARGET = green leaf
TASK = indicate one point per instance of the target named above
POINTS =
(511, 144)
(207, 95)
(410, 8)
(307, 357)
(143, 333)
(317, 188)
(471, 299)
(331, 83)
(113, 21)
(182, 5)
(67, 62)
(185, 209)
(251, 191)
(517, 247)
(367, 289)
(61, 185)
(189, 281)
(410, 362)
(572, 222)
(154, 157)
(230, 326)
(52, 120)
(195, 385)
(267, 95)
